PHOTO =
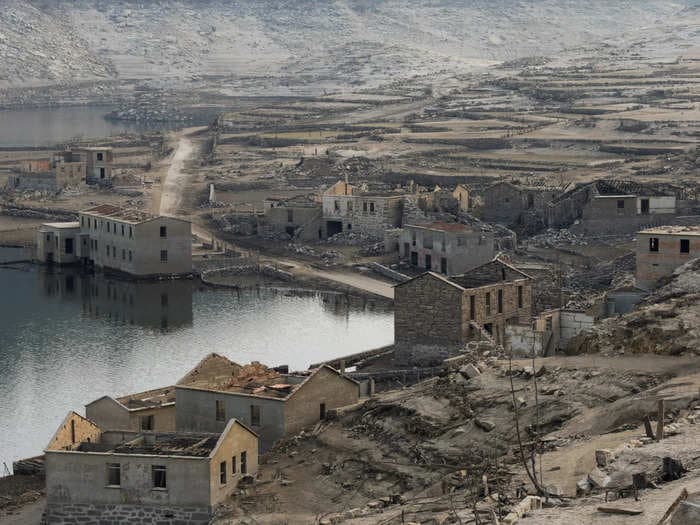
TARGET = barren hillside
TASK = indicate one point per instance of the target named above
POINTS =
(330, 43)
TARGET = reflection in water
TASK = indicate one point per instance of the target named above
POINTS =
(67, 339)
(155, 304)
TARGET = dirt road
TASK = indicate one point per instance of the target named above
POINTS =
(176, 178)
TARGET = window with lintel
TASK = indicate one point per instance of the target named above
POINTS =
(159, 475)
(114, 474)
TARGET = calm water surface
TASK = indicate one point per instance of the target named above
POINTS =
(49, 126)
(66, 339)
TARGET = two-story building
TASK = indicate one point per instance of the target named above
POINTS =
(661, 250)
(95, 475)
(447, 248)
(346, 209)
(271, 403)
(435, 316)
(134, 242)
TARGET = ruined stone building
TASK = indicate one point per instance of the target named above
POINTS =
(150, 411)
(299, 217)
(97, 475)
(661, 250)
(435, 316)
(515, 204)
(98, 164)
(69, 168)
(613, 206)
(345, 209)
(446, 248)
(273, 404)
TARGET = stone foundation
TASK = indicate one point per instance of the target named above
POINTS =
(87, 514)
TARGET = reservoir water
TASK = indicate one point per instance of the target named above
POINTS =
(67, 339)
(50, 126)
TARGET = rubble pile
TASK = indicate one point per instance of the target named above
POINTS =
(667, 322)
(327, 256)
(350, 238)
(557, 239)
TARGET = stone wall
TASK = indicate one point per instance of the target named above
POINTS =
(57, 514)
(427, 310)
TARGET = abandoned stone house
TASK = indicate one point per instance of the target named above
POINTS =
(447, 248)
(106, 476)
(271, 403)
(370, 213)
(299, 217)
(69, 168)
(661, 250)
(515, 204)
(435, 316)
(613, 206)
(150, 411)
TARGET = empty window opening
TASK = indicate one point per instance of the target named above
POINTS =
(220, 410)
(488, 303)
(255, 415)
(653, 244)
(244, 462)
(159, 475)
(69, 246)
(685, 246)
(72, 431)
(114, 474)
(428, 262)
(222, 472)
(472, 307)
(322, 411)
(147, 422)
(645, 206)
(443, 265)
(520, 296)
(163, 231)
(500, 301)
(414, 258)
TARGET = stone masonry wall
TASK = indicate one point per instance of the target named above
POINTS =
(87, 514)
(428, 310)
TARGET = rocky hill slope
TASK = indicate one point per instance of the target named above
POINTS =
(329, 42)
(667, 322)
